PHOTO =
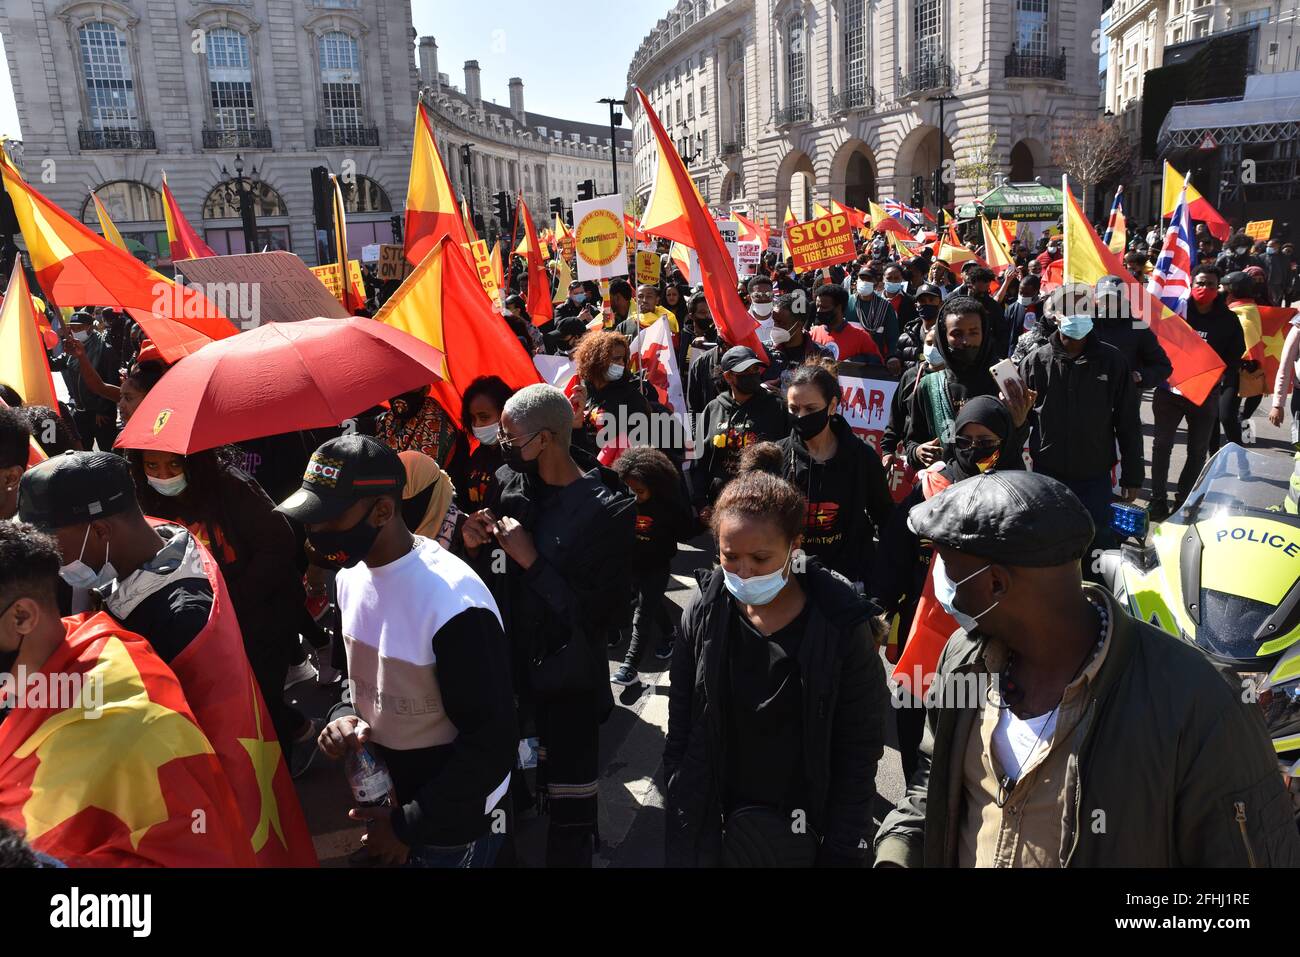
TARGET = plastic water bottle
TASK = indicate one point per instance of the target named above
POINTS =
(372, 785)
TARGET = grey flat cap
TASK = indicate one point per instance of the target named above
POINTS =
(1014, 518)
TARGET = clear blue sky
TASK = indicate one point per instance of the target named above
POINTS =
(569, 53)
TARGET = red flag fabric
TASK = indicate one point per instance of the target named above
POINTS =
(227, 704)
(675, 211)
(181, 236)
(431, 209)
(539, 284)
(442, 304)
(138, 784)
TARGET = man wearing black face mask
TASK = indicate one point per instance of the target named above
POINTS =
(743, 416)
(427, 659)
(852, 343)
(911, 344)
(564, 529)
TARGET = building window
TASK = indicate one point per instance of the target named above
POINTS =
(1031, 27)
(690, 106)
(230, 80)
(927, 32)
(106, 71)
(704, 100)
(795, 62)
(340, 76)
(855, 45)
(365, 196)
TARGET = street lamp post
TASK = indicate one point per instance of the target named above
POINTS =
(466, 157)
(615, 120)
(940, 190)
(242, 187)
(691, 152)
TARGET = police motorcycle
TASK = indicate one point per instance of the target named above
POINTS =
(1223, 573)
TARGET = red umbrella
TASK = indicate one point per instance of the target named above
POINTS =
(280, 377)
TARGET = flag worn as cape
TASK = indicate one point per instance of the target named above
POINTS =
(118, 774)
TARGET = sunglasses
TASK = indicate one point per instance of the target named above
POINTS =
(505, 443)
(965, 444)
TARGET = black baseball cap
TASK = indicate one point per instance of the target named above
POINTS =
(739, 359)
(342, 472)
(75, 488)
(1015, 518)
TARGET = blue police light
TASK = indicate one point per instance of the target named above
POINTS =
(1129, 520)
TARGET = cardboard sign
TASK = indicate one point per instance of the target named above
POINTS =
(647, 268)
(329, 277)
(1259, 229)
(775, 242)
(392, 263)
(599, 238)
(821, 242)
(482, 257)
(255, 288)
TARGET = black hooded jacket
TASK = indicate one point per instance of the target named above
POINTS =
(844, 700)
(761, 418)
(848, 500)
(1139, 345)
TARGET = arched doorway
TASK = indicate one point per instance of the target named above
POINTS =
(923, 152)
(1022, 163)
(136, 210)
(223, 228)
(859, 182)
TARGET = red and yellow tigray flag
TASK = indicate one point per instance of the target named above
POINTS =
(1197, 368)
(681, 257)
(676, 212)
(819, 210)
(748, 231)
(562, 231)
(1198, 207)
(1010, 230)
(431, 210)
(857, 218)
(222, 691)
(120, 774)
(1265, 329)
(353, 299)
(182, 239)
(78, 267)
(497, 272)
(442, 303)
(23, 363)
(563, 276)
(539, 283)
(995, 252)
(786, 223)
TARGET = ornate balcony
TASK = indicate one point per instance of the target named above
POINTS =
(931, 75)
(327, 137)
(794, 113)
(116, 139)
(238, 139)
(1035, 66)
(856, 98)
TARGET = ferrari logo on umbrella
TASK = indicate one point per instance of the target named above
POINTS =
(161, 421)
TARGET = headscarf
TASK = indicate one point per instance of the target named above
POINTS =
(429, 486)
(991, 413)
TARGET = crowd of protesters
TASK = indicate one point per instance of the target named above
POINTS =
(485, 570)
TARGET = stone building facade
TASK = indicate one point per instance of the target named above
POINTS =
(813, 100)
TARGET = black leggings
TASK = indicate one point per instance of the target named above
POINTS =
(651, 623)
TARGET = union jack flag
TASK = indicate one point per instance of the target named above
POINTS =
(1171, 280)
(902, 211)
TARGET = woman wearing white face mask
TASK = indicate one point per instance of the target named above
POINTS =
(615, 403)
(255, 548)
(787, 712)
(480, 415)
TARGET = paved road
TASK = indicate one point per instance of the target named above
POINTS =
(631, 804)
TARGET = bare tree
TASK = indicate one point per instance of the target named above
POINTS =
(1092, 152)
(979, 164)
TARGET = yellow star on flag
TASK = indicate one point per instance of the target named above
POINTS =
(108, 762)
(265, 756)
(1274, 344)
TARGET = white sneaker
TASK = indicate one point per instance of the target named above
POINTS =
(326, 673)
(297, 674)
(1248, 432)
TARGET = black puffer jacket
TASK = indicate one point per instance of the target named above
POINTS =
(844, 704)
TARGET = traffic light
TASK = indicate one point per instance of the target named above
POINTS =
(557, 206)
(918, 191)
(938, 191)
(396, 222)
(502, 202)
(587, 189)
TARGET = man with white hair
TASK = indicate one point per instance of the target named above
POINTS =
(553, 545)
(1087, 403)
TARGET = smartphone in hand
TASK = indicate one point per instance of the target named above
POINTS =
(1004, 372)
